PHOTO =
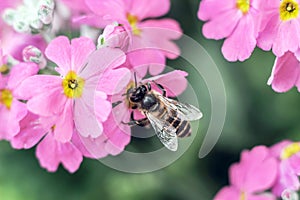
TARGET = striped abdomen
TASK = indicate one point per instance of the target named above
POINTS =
(183, 127)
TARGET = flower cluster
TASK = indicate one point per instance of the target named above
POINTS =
(270, 24)
(57, 92)
(265, 173)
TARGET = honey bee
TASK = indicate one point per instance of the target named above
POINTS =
(169, 118)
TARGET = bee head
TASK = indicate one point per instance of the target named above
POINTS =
(138, 94)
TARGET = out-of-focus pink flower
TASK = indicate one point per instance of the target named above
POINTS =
(73, 96)
(151, 39)
(50, 152)
(12, 111)
(8, 4)
(235, 20)
(288, 155)
(20, 41)
(285, 73)
(77, 7)
(280, 26)
(250, 178)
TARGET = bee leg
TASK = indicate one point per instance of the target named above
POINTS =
(163, 90)
(149, 86)
(131, 123)
(141, 122)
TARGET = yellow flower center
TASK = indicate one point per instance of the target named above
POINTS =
(243, 196)
(4, 69)
(288, 10)
(73, 85)
(133, 20)
(290, 150)
(243, 5)
(6, 98)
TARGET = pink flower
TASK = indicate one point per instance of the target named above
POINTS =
(280, 26)
(151, 39)
(288, 155)
(235, 20)
(285, 73)
(49, 151)
(255, 174)
(73, 96)
(12, 111)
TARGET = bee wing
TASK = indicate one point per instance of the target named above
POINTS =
(185, 111)
(165, 133)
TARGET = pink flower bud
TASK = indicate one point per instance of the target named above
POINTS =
(114, 36)
(33, 54)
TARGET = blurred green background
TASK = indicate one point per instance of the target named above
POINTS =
(255, 115)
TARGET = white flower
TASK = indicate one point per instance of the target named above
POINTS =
(32, 16)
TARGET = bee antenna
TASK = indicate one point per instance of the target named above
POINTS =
(135, 82)
(116, 103)
(125, 94)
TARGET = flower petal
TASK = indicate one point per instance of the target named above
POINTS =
(46, 152)
(102, 106)
(267, 36)
(48, 103)
(111, 9)
(64, 126)
(91, 147)
(101, 60)
(228, 193)
(288, 38)
(70, 156)
(81, 48)
(113, 81)
(59, 51)
(51, 152)
(260, 169)
(162, 31)
(241, 43)
(10, 118)
(209, 9)
(20, 72)
(36, 85)
(85, 118)
(285, 73)
(219, 28)
(118, 135)
(174, 82)
(148, 9)
(30, 134)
